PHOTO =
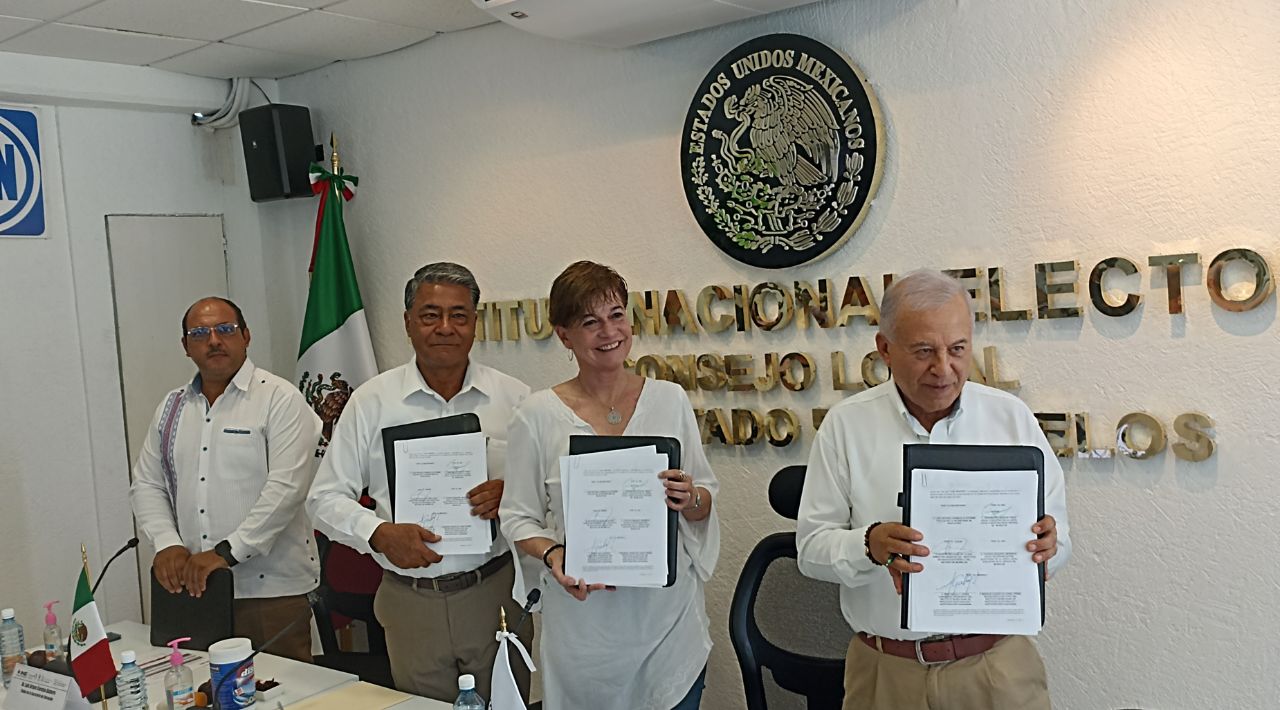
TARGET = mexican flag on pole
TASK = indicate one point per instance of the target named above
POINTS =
(336, 354)
(91, 661)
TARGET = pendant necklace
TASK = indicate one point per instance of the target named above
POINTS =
(614, 417)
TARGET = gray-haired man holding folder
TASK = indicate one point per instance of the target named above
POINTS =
(846, 530)
(439, 612)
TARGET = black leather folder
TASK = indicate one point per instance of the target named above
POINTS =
(669, 446)
(467, 423)
(207, 619)
(967, 457)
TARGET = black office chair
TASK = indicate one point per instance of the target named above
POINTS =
(373, 666)
(786, 623)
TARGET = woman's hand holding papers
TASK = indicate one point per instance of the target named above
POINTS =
(682, 495)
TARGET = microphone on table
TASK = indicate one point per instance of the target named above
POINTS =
(132, 543)
(534, 595)
(215, 692)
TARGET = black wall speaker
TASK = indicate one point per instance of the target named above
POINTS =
(278, 149)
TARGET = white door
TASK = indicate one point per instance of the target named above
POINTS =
(159, 265)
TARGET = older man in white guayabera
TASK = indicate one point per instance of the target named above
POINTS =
(845, 532)
(439, 611)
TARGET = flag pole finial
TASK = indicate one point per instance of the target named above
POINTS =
(502, 619)
(333, 143)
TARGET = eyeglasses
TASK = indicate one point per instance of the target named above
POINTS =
(201, 332)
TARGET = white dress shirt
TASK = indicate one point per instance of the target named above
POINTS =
(243, 467)
(631, 648)
(355, 459)
(855, 475)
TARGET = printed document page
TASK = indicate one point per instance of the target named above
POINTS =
(978, 577)
(615, 517)
(433, 476)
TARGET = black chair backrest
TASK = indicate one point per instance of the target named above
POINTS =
(784, 491)
(206, 619)
(786, 623)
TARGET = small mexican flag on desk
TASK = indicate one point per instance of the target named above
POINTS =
(91, 661)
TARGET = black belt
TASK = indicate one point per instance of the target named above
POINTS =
(455, 581)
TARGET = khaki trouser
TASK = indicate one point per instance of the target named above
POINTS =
(434, 637)
(260, 619)
(1008, 677)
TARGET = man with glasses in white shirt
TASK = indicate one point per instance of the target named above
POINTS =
(845, 530)
(439, 612)
(222, 478)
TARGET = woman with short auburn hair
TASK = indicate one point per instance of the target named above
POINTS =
(605, 648)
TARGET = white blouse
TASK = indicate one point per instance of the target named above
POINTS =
(631, 648)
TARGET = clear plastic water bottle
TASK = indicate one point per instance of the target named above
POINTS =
(131, 683)
(468, 698)
(13, 644)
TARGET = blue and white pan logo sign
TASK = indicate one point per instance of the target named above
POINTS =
(21, 191)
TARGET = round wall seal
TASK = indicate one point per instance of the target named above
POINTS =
(782, 151)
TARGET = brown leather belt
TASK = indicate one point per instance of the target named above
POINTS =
(928, 652)
(456, 581)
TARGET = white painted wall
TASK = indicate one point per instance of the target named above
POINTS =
(126, 148)
(1018, 132)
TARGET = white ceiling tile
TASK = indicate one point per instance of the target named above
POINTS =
(57, 40)
(224, 61)
(42, 9)
(195, 19)
(438, 15)
(10, 26)
(342, 37)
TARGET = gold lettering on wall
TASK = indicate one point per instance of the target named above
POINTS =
(1193, 427)
(738, 369)
(760, 306)
(995, 292)
(1133, 425)
(967, 278)
(711, 322)
(1099, 297)
(644, 308)
(678, 314)
(815, 304)
(1055, 428)
(840, 381)
(1084, 443)
(537, 321)
(1046, 289)
(1263, 286)
(857, 303)
(1173, 264)
(781, 427)
(874, 370)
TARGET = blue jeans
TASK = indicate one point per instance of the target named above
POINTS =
(694, 698)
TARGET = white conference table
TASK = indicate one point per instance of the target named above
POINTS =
(298, 681)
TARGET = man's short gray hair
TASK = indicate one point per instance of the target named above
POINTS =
(920, 290)
(442, 272)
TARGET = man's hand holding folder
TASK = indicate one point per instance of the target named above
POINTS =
(405, 544)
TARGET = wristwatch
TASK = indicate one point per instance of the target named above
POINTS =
(223, 550)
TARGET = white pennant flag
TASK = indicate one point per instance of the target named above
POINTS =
(504, 693)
